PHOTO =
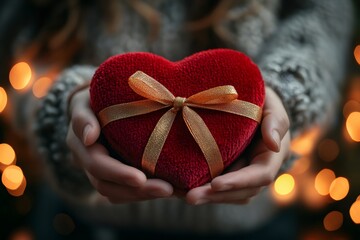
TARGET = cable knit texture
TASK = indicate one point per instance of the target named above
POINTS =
(300, 47)
(52, 129)
(305, 61)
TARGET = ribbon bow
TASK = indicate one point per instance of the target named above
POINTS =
(221, 98)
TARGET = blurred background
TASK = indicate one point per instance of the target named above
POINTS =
(323, 186)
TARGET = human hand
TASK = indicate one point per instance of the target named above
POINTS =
(113, 180)
(266, 156)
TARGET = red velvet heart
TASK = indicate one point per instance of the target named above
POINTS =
(181, 161)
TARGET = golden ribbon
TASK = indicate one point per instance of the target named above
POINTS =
(221, 98)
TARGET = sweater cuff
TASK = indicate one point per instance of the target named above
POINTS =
(302, 105)
(51, 128)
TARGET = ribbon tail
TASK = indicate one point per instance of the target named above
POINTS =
(156, 141)
(205, 140)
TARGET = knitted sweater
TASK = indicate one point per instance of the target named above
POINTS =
(299, 45)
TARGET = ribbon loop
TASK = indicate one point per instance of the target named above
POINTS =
(149, 88)
(221, 98)
(216, 95)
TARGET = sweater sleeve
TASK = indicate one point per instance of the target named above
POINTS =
(51, 129)
(304, 61)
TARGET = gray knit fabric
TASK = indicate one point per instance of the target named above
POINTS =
(300, 47)
(51, 129)
(304, 61)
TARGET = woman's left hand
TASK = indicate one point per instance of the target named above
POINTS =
(266, 156)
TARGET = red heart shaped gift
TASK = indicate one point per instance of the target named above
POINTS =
(181, 160)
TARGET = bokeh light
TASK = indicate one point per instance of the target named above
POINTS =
(345, 135)
(328, 150)
(3, 99)
(22, 234)
(339, 188)
(323, 181)
(7, 156)
(14, 180)
(41, 87)
(353, 126)
(310, 197)
(357, 54)
(333, 221)
(305, 144)
(12, 177)
(20, 75)
(355, 212)
(284, 184)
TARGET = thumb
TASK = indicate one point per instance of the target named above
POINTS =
(275, 123)
(84, 122)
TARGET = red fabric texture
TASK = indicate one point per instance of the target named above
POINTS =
(181, 161)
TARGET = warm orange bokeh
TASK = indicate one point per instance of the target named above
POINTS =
(304, 144)
(3, 99)
(339, 188)
(22, 234)
(12, 177)
(14, 180)
(353, 126)
(7, 156)
(20, 75)
(284, 184)
(323, 181)
(333, 221)
(355, 212)
(284, 189)
(310, 197)
(357, 54)
(41, 87)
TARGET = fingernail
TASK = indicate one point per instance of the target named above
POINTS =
(86, 132)
(276, 137)
(202, 201)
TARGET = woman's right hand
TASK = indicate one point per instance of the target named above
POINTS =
(117, 182)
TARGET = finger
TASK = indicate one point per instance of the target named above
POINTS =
(85, 124)
(97, 199)
(241, 202)
(78, 151)
(196, 195)
(115, 193)
(254, 175)
(275, 122)
(233, 196)
(104, 167)
(204, 195)
(261, 171)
